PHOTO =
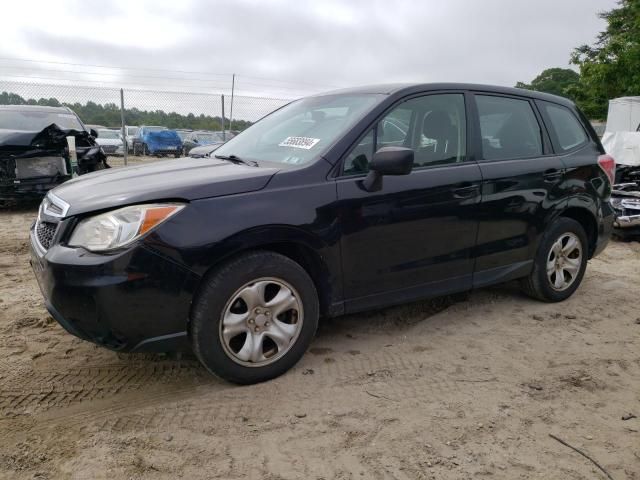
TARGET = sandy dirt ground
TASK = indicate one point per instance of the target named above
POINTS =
(465, 387)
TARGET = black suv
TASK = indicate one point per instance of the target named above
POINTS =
(333, 204)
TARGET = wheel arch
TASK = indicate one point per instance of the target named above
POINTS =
(302, 247)
(587, 219)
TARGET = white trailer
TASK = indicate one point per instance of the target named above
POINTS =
(621, 139)
(624, 115)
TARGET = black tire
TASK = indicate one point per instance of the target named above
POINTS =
(136, 149)
(219, 288)
(538, 284)
(145, 150)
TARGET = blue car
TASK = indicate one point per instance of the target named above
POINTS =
(154, 140)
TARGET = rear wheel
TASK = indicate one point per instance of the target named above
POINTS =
(254, 318)
(560, 263)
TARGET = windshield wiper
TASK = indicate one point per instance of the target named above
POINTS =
(236, 159)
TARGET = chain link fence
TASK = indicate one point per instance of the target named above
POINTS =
(114, 108)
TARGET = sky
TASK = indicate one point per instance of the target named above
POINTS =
(288, 48)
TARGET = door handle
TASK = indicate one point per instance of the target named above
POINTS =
(466, 190)
(551, 175)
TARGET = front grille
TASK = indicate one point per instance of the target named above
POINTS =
(45, 232)
(40, 167)
(7, 168)
(109, 148)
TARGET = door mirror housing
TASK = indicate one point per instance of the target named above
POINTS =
(388, 161)
(93, 133)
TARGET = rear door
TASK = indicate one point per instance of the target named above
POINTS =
(414, 237)
(521, 185)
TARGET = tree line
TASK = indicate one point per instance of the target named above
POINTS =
(109, 114)
(610, 68)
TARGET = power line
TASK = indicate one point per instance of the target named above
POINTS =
(119, 85)
(165, 70)
(110, 66)
(101, 82)
(211, 85)
(152, 87)
(105, 74)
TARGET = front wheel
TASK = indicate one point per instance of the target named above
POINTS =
(254, 318)
(560, 263)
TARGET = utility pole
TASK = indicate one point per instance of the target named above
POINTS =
(233, 84)
(123, 133)
(224, 139)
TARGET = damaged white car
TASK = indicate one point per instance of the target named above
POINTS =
(622, 141)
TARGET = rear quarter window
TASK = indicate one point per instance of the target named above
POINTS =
(566, 128)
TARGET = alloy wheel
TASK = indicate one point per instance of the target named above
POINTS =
(261, 322)
(564, 261)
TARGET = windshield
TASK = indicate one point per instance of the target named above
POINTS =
(301, 131)
(154, 129)
(34, 121)
(182, 134)
(132, 130)
(108, 134)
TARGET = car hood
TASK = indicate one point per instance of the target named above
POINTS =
(179, 179)
(47, 138)
(203, 150)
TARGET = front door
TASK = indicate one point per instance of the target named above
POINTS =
(415, 237)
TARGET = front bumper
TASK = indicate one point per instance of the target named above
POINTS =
(627, 225)
(112, 149)
(165, 150)
(133, 300)
(627, 221)
(29, 187)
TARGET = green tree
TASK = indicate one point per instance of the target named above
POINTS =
(558, 81)
(611, 67)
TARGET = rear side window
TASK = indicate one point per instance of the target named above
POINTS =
(568, 130)
(509, 128)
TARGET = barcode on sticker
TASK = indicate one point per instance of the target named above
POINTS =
(299, 142)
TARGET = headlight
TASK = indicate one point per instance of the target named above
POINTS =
(120, 227)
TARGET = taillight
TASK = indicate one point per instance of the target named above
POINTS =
(608, 166)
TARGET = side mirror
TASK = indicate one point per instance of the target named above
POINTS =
(93, 133)
(388, 161)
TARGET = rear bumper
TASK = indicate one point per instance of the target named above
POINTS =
(134, 300)
(605, 228)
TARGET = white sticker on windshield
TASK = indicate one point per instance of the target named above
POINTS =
(299, 142)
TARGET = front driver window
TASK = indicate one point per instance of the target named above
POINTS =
(434, 126)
